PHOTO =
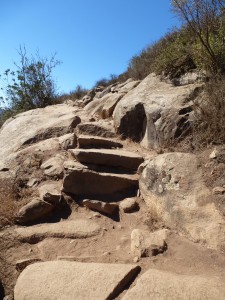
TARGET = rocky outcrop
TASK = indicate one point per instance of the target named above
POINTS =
(162, 285)
(172, 186)
(104, 104)
(35, 125)
(73, 280)
(155, 112)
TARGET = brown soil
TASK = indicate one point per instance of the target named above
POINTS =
(113, 245)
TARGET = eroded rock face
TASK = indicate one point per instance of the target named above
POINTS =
(153, 112)
(73, 280)
(162, 285)
(173, 187)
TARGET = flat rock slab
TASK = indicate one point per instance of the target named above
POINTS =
(108, 157)
(96, 128)
(161, 285)
(66, 229)
(63, 280)
(93, 185)
(87, 141)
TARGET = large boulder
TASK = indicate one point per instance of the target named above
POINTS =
(172, 186)
(155, 111)
(33, 126)
(162, 285)
(73, 280)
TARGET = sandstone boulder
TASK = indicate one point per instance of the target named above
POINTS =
(54, 166)
(33, 126)
(143, 114)
(172, 186)
(73, 280)
(35, 210)
(145, 243)
(51, 192)
(162, 285)
(104, 106)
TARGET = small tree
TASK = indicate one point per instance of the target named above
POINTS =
(205, 19)
(31, 85)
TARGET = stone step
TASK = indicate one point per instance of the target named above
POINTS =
(74, 280)
(107, 157)
(77, 229)
(96, 129)
(90, 141)
(86, 183)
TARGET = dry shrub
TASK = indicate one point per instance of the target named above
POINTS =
(9, 202)
(209, 109)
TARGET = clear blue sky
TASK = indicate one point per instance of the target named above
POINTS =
(92, 38)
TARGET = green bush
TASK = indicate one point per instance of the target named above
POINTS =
(31, 85)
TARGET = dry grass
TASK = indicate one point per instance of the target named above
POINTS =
(9, 202)
(209, 127)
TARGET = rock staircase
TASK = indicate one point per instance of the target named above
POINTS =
(99, 169)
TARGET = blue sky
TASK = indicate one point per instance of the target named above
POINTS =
(92, 38)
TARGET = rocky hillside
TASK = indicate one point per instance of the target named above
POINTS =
(93, 206)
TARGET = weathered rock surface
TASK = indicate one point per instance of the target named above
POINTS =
(107, 157)
(145, 243)
(129, 205)
(94, 185)
(33, 126)
(23, 263)
(54, 166)
(104, 106)
(162, 285)
(35, 210)
(51, 192)
(86, 141)
(72, 280)
(154, 112)
(66, 229)
(106, 208)
(172, 186)
(96, 128)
